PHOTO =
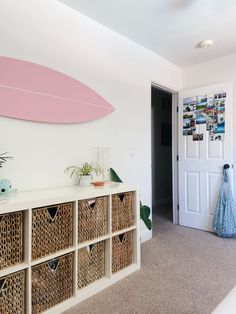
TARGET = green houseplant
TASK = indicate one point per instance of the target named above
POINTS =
(4, 158)
(83, 173)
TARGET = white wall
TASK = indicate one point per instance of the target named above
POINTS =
(51, 34)
(211, 72)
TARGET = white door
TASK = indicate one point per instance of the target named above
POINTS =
(202, 153)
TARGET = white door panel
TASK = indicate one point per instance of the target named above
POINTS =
(213, 187)
(201, 163)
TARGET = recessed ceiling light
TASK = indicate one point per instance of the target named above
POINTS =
(205, 43)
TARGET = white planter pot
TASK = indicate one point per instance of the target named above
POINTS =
(85, 181)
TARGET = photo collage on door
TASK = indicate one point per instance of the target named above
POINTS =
(205, 109)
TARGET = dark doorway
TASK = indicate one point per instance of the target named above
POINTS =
(162, 154)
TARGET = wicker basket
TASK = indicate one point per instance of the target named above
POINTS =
(122, 211)
(91, 264)
(122, 251)
(11, 239)
(12, 293)
(92, 218)
(51, 229)
(51, 283)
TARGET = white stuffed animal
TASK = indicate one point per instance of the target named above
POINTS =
(5, 187)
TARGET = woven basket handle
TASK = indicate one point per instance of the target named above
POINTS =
(121, 197)
(53, 265)
(3, 284)
(52, 211)
(122, 237)
(89, 248)
(92, 203)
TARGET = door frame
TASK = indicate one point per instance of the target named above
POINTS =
(175, 181)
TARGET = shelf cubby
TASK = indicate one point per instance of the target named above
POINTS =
(67, 235)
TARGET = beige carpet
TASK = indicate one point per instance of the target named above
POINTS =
(184, 271)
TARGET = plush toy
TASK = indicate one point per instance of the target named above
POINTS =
(5, 187)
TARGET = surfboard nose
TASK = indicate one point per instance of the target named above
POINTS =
(33, 92)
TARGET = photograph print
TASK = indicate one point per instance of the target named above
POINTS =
(198, 137)
(210, 101)
(201, 102)
(220, 127)
(216, 137)
(200, 117)
(189, 104)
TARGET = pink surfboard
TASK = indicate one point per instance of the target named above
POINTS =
(33, 92)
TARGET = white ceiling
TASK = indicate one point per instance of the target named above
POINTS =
(170, 28)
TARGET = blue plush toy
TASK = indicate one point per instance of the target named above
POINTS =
(5, 187)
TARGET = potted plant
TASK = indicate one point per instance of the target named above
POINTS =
(84, 173)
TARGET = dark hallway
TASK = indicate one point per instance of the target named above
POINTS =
(162, 153)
